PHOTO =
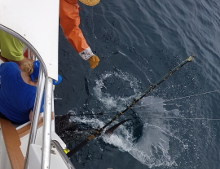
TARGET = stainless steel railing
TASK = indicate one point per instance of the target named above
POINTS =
(57, 145)
(37, 105)
(44, 82)
(45, 159)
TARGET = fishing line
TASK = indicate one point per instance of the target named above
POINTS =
(94, 37)
(89, 72)
(122, 43)
(86, 114)
(188, 118)
(193, 95)
(159, 117)
(183, 118)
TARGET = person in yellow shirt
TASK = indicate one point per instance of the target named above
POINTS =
(11, 49)
(69, 22)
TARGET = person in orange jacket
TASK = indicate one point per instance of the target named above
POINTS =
(69, 22)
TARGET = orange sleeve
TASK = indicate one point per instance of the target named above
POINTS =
(69, 21)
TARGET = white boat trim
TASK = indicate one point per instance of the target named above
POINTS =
(35, 23)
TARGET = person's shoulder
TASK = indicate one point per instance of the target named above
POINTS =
(13, 64)
(9, 65)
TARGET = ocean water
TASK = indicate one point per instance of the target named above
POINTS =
(177, 125)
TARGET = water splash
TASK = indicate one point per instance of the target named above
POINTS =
(121, 82)
(153, 148)
(163, 142)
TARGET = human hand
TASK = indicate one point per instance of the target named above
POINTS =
(93, 61)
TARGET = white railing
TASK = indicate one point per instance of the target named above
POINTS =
(47, 125)
(44, 82)
(38, 99)
(57, 145)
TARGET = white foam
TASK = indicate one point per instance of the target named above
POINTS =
(115, 102)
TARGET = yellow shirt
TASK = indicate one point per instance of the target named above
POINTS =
(11, 48)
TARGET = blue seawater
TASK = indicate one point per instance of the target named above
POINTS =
(177, 125)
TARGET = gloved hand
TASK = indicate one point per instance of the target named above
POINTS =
(93, 61)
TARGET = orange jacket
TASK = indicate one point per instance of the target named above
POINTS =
(69, 21)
